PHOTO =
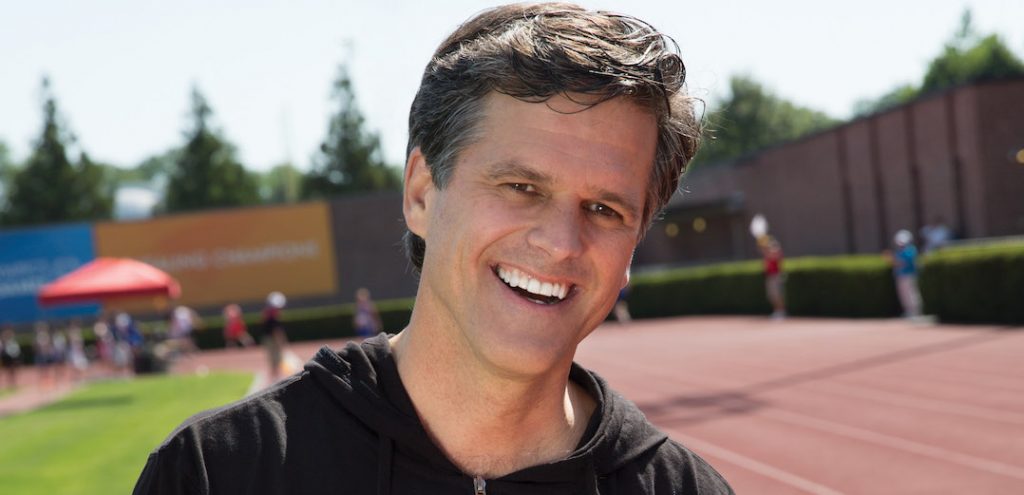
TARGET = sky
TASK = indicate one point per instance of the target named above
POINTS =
(122, 70)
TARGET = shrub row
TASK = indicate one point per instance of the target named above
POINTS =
(975, 284)
(727, 288)
(859, 286)
(846, 286)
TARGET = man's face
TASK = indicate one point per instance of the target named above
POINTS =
(529, 243)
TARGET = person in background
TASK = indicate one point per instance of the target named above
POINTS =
(61, 354)
(43, 352)
(621, 310)
(105, 344)
(236, 333)
(274, 338)
(183, 320)
(904, 269)
(128, 343)
(366, 319)
(774, 279)
(10, 353)
(935, 235)
(76, 357)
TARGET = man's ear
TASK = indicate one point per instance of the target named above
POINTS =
(416, 197)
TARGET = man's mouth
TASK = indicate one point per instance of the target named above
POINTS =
(533, 289)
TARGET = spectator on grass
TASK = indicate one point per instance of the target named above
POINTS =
(43, 352)
(76, 358)
(59, 363)
(10, 353)
(543, 140)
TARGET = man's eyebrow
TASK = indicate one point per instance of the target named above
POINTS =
(515, 170)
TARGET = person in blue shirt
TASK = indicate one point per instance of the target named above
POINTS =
(904, 267)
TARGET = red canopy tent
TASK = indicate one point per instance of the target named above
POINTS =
(109, 278)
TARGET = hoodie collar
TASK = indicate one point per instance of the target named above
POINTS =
(363, 379)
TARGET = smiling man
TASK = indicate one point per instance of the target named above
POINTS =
(543, 140)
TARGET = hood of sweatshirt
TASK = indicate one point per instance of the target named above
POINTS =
(363, 379)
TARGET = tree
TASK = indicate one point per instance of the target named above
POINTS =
(350, 158)
(157, 167)
(92, 178)
(966, 58)
(206, 173)
(895, 97)
(751, 118)
(7, 172)
(49, 188)
(988, 59)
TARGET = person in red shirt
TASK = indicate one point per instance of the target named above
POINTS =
(235, 330)
(773, 276)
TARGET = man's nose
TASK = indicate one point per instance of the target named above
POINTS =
(559, 232)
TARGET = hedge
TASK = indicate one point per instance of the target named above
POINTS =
(844, 286)
(727, 288)
(858, 286)
(975, 284)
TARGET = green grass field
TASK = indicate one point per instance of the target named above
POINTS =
(97, 439)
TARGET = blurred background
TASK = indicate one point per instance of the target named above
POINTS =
(244, 148)
(124, 125)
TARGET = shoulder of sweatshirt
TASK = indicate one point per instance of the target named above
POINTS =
(673, 468)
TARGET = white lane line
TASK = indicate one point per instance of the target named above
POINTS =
(259, 382)
(935, 405)
(903, 444)
(754, 465)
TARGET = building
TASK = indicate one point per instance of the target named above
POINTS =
(954, 156)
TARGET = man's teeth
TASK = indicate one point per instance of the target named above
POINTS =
(515, 278)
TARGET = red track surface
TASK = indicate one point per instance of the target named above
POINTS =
(829, 406)
(809, 406)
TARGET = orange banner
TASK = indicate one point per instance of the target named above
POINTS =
(231, 256)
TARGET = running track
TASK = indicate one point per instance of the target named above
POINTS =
(811, 406)
(829, 406)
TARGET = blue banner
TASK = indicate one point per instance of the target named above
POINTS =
(31, 258)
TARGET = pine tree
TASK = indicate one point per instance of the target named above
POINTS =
(350, 158)
(206, 172)
(49, 188)
(7, 172)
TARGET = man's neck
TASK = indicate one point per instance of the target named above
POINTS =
(489, 425)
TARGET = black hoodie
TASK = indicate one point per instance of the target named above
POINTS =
(346, 425)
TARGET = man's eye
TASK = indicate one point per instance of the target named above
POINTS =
(520, 187)
(602, 209)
